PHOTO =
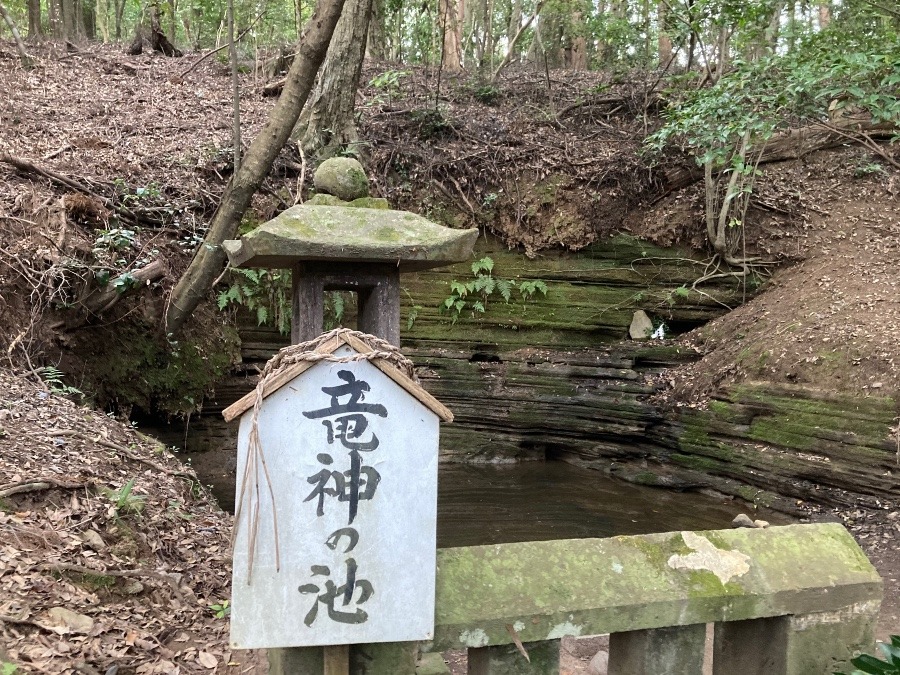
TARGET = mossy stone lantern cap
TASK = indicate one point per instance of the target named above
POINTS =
(360, 245)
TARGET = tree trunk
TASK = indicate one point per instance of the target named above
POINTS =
(578, 57)
(824, 14)
(68, 21)
(663, 40)
(511, 51)
(54, 18)
(451, 60)
(34, 19)
(515, 22)
(87, 19)
(20, 46)
(376, 45)
(210, 258)
(327, 125)
(119, 7)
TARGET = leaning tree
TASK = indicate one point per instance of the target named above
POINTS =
(209, 259)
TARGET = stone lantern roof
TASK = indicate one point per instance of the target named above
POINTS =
(350, 234)
(342, 224)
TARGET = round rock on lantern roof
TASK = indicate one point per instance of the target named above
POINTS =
(343, 177)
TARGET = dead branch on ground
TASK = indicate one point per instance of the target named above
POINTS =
(37, 485)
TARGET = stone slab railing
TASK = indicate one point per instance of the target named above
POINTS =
(795, 600)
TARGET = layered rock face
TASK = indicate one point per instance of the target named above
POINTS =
(554, 376)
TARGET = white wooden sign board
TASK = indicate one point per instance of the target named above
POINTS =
(354, 477)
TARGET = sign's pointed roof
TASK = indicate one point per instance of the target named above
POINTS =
(285, 375)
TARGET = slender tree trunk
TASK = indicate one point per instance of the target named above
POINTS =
(515, 22)
(210, 258)
(578, 57)
(663, 39)
(69, 25)
(119, 8)
(20, 46)
(173, 8)
(692, 40)
(376, 45)
(54, 18)
(327, 125)
(87, 19)
(450, 34)
(824, 13)
(34, 19)
(235, 90)
(101, 18)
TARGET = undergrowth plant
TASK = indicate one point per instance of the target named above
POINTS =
(124, 501)
(221, 609)
(266, 293)
(867, 664)
(53, 378)
(473, 295)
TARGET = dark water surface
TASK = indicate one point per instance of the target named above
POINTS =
(534, 501)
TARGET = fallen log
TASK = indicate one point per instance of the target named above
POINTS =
(102, 300)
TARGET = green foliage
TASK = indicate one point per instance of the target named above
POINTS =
(870, 665)
(430, 123)
(221, 609)
(678, 294)
(834, 70)
(864, 169)
(266, 293)
(487, 94)
(474, 294)
(134, 366)
(7, 668)
(389, 82)
(124, 501)
(335, 308)
(115, 239)
(53, 378)
(529, 288)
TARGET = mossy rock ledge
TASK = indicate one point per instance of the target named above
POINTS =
(554, 377)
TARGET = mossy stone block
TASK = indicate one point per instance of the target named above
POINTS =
(323, 199)
(553, 589)
(432, 663)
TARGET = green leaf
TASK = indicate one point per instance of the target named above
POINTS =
(872, 666)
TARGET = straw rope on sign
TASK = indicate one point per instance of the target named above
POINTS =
(256, 460)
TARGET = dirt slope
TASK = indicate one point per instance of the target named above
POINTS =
(93, 577)
(828, 320)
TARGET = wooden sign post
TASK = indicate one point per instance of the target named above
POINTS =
(337, 455)
(351, 452)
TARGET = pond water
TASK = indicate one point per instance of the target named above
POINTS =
(533, 501)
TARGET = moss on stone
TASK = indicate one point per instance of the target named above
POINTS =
(343, 177)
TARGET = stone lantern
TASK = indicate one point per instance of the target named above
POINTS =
(344, 240)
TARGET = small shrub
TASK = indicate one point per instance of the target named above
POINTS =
(125, 502)
(870, 665)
